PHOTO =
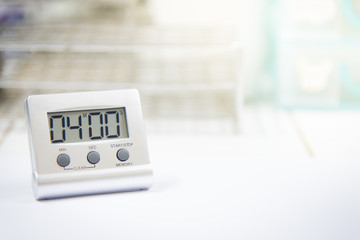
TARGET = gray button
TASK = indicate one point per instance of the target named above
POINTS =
(122, 154)
(63, 160)
(93, 157)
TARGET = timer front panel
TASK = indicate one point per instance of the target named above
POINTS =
(86, 131)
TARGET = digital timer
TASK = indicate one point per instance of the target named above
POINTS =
(87, 143)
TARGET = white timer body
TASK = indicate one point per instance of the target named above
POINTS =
(87, 143)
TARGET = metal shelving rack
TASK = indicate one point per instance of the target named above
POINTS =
(187, 69)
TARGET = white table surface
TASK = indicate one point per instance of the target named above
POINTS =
(262, 184)
(196, 198)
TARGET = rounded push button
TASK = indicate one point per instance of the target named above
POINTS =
(93, 157)
(63, 160)
(123, 154)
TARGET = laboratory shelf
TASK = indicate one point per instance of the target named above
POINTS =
(178, 70)
(95, 71)
(107, 37)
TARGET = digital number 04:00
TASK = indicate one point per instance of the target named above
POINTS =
(66, 127)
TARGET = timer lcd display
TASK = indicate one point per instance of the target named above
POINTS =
(87, 125)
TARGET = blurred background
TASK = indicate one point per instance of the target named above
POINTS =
(251, 109)
(275, 75)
